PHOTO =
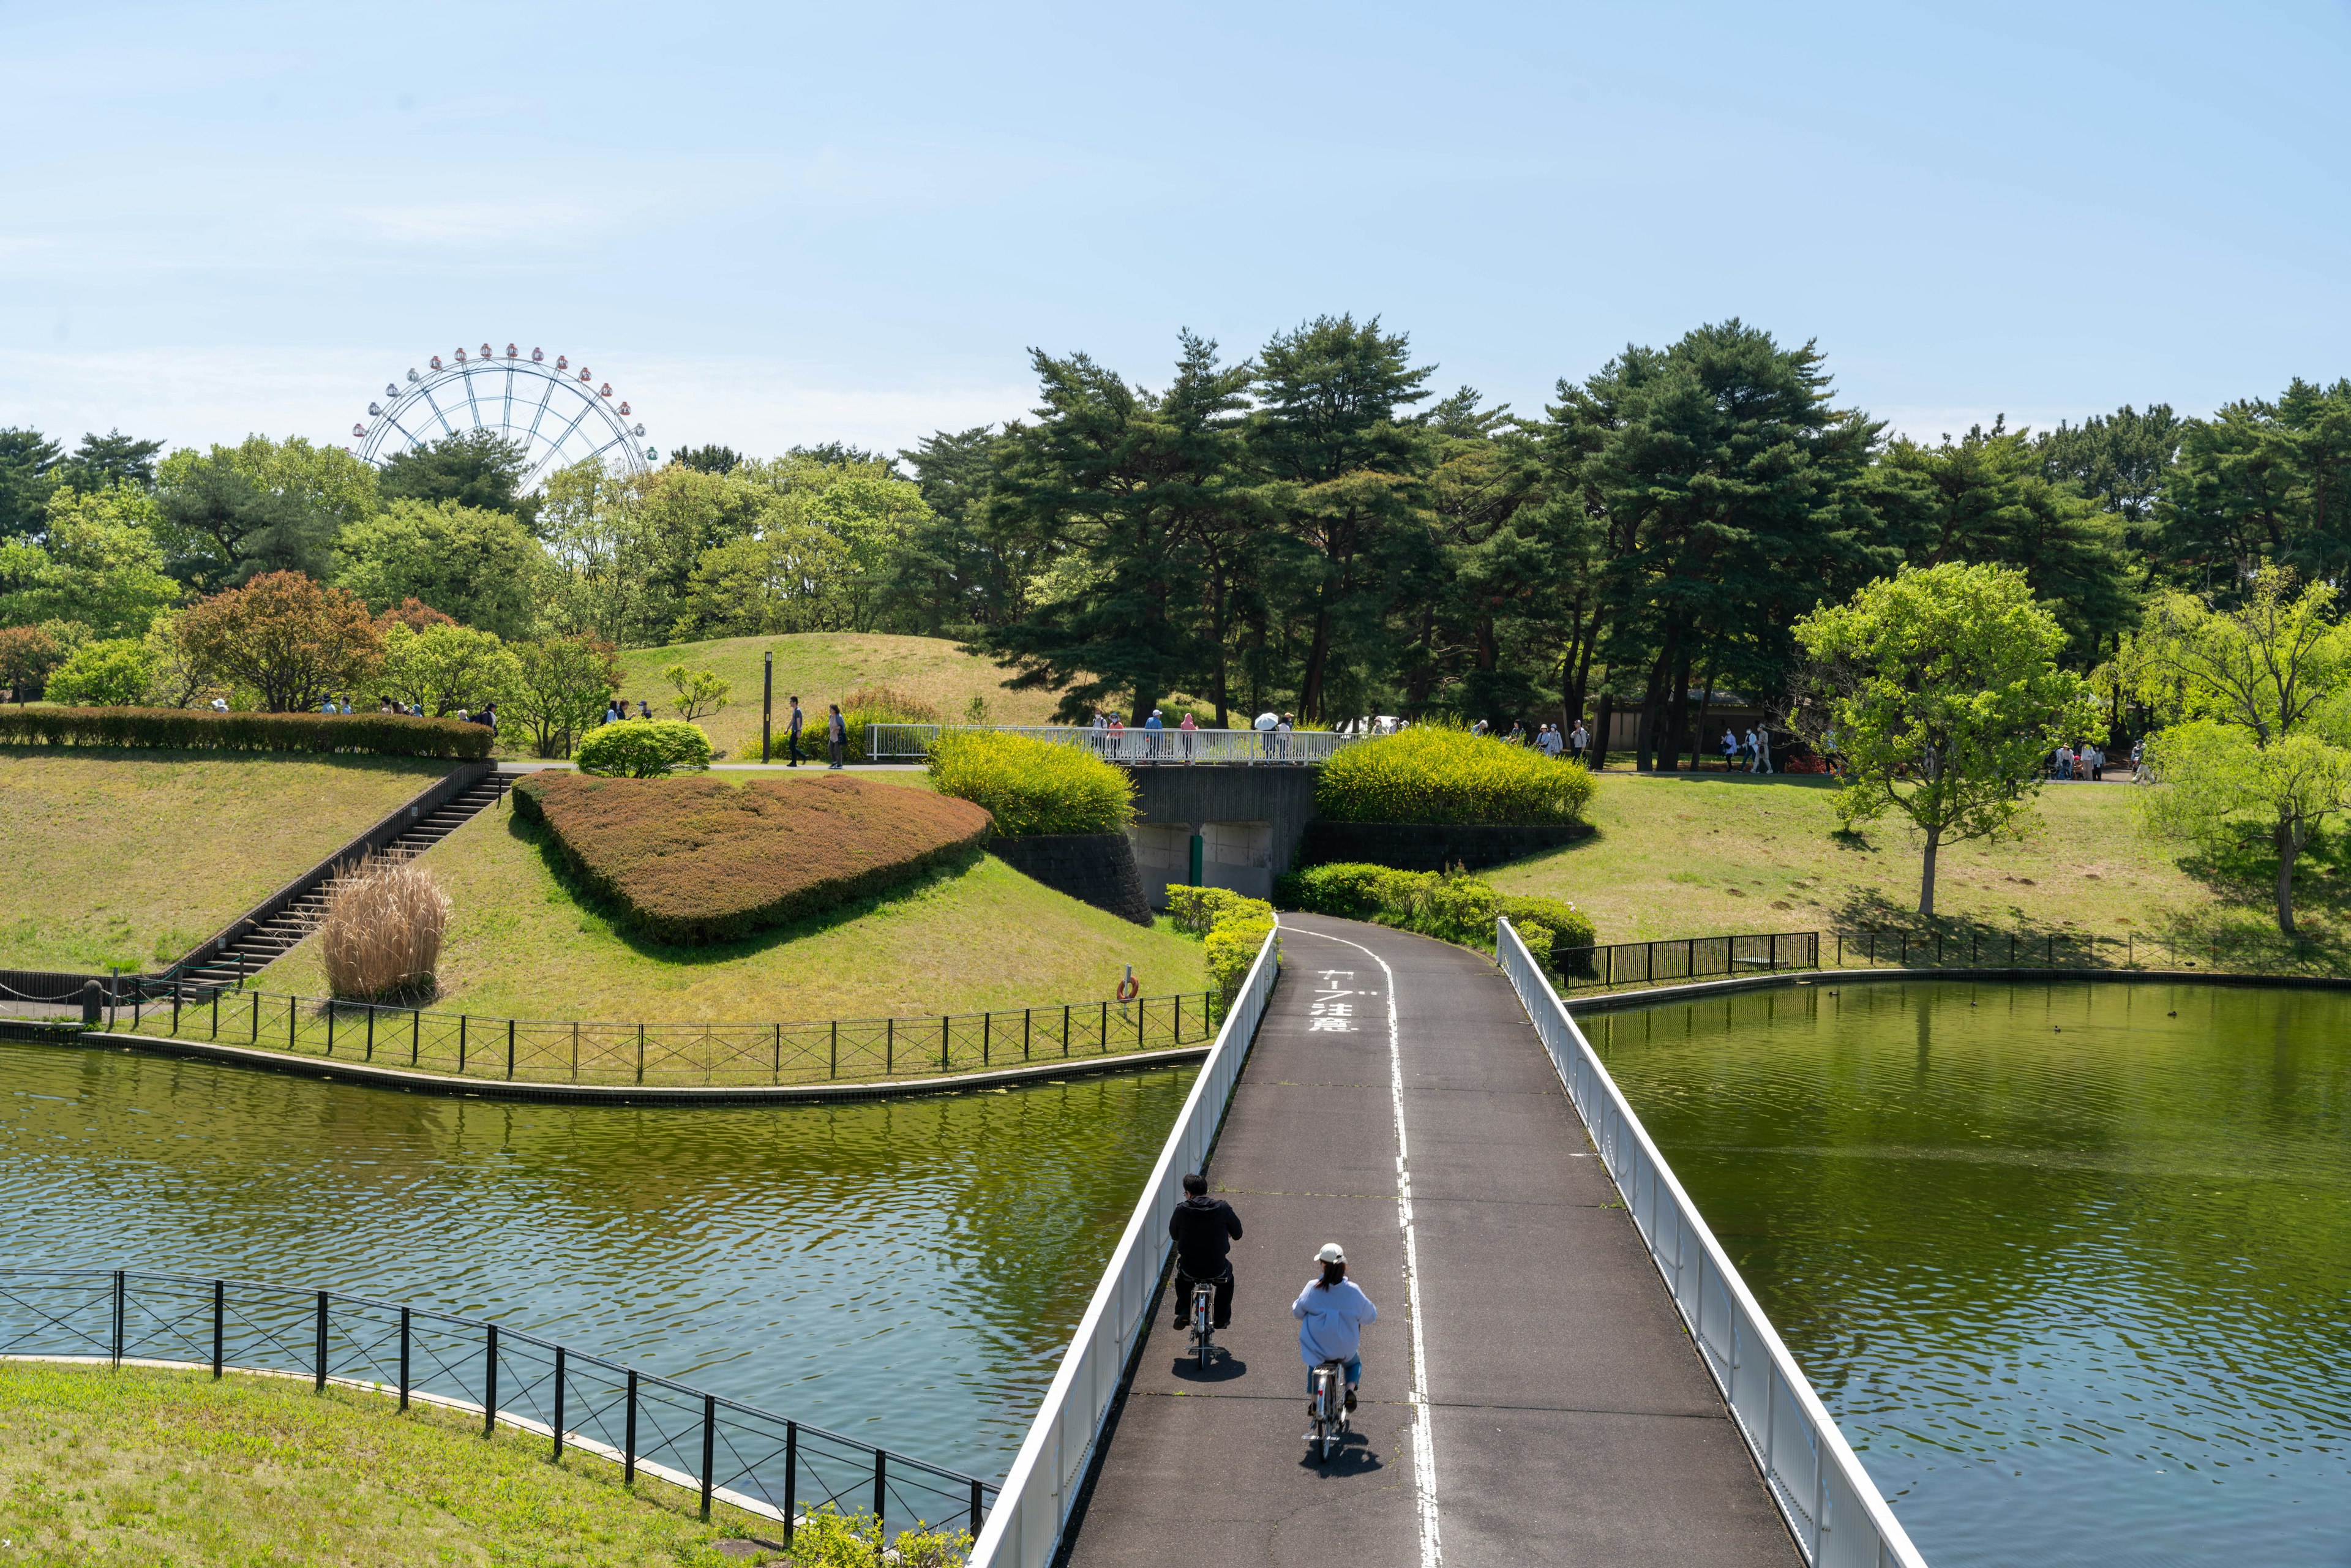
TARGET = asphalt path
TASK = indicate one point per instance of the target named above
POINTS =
(1556, 1412)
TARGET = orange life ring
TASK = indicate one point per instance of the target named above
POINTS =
(1128, 989)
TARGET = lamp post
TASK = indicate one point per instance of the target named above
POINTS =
(767, 703)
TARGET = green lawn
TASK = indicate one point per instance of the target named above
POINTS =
(1693, 856)
(823, 667)
(521, 945)
(132, 857)
(150, 1466)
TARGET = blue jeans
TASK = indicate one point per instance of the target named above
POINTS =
(1354, 1373)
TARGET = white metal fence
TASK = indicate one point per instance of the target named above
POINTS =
(1135, 748)
(1830, 1504)
(1024, 1528)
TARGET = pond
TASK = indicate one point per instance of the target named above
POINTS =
(906, 1272)
(2069, 1263)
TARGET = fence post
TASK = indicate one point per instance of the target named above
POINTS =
(1179, 1019)
(1141, 1007)
(215, 1012)
(629, 1436)
(889, 1046)
(510, 1050)
(370, 1034)
(175, 1006)
(416, 1034)
(331, 1027)
(942, 1042)
(709, 1446)
(490, 1381)
(319, 1382)
(791, 1476)
(987, 1034)
(778, 1077)
(832, 1062)
(220, 1323)
(556, 1458)
(403, 1358)
(975, 1505)
(1065, 1028)
(881, 1469)
(289, 1023)
(462, 1021)
(1101, 1034)
(118, 1318)
(641, 1053)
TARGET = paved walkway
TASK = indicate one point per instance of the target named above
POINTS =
(1569, 1420)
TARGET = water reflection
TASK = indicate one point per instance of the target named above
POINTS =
(905, 1271)
(2068, 1262)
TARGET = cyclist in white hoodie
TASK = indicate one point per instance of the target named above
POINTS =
(1330, 1313)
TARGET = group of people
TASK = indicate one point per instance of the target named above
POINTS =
(1331, 1310)
(1752, 750)
(388, 706)
(2084, 762)
(1546, 739)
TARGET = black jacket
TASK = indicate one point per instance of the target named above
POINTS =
(1205, 1230)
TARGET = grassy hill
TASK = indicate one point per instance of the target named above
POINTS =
(823, 668)
(131, 858)
(521, 945)
(1691, 856)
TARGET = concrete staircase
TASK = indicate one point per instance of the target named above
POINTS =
(253, 951)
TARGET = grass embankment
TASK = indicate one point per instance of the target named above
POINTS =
(1692, 856)
(151, 1465)
(823, 667)
(525, 942)
(131, 858)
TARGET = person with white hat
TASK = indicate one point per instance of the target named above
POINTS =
(1332, 1312)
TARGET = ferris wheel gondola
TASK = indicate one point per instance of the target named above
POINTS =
(557, 421)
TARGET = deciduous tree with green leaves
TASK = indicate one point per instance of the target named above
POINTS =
(1943, 690)
(562, 687)
(112, 672)
(292, 641)
(27, 654)
(445, 668)
(481, 566)
(2260, 699)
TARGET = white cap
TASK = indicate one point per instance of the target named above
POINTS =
(1331, 1253)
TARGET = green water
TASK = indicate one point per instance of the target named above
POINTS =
(905, 1271)
(2070, 1263)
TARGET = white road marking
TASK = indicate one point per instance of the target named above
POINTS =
(1424, 1435)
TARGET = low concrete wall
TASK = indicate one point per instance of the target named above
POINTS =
(1095, 868)
(1420, 846)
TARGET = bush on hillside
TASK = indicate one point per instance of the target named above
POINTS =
(1233, 926)
(201, 729)
(380, 937)
(700, 860)
(1032, 786)
(1448, 905)
(114, 672)
(644, 749)
(1432, 774)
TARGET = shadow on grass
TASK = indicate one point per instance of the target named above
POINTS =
(614, 918)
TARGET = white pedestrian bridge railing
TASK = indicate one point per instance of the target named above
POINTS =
(1135, 748)
(1032, 1508)
(1831, 1506)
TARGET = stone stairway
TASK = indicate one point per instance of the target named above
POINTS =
(254, 951)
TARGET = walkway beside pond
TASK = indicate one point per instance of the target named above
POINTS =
(1568, 1418)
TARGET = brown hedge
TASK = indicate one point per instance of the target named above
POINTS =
(697, 860)
(202, 729)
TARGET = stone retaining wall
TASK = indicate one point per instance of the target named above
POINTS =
(1094, 868)
(1423, 846)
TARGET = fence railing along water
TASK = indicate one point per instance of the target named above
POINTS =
(722, 1450)
(1140, 747)
(1690, 958)
(647, 1055)
(1831, 1506)
(1024, 1529)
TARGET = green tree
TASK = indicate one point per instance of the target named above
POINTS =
(29, 462)
(176, 678)
(483, 568)
(2261, 481)
(27, 654)
(562, 687)
(445, 668)
(103, 462)
(1942, 688)
(112, 672)
(286, 637)
(101, 566)
(475, 468)
(238, 512)
(708, 459)
(699, 692)
(959, 573)
(2260, 696)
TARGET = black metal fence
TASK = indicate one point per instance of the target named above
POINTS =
(724, 1451)
(525, 1051)
(1686, 959)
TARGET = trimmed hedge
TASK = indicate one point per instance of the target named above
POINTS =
(1032, 787)
(698, 860)
(1432, 774)
(638, 749)
(1447, 905)
(1233, 926)
(201, 729)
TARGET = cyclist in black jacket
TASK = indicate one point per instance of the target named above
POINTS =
(1205, 1229)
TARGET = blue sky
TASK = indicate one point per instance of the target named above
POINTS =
(780, 224)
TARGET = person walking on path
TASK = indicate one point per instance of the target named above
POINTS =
(836, 733)
(1204, 1230)
(1331, 1314)
(1763, 749)
(793, 728)
(1186, 728)
(1265, 725)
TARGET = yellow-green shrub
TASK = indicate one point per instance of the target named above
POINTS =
(1233, 926)
(1433, 774)
(1032, 786)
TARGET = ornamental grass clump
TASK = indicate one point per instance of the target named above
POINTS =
(380, 937)
(1433, 774)
(1032, 787)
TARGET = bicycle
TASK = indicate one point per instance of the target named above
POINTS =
(1329, 1407)
(1203, 1316)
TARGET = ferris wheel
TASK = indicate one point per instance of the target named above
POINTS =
(559, 415)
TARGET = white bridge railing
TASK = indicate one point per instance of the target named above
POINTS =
(1137, 748)
(1024, 1528)
(1833, 1507)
